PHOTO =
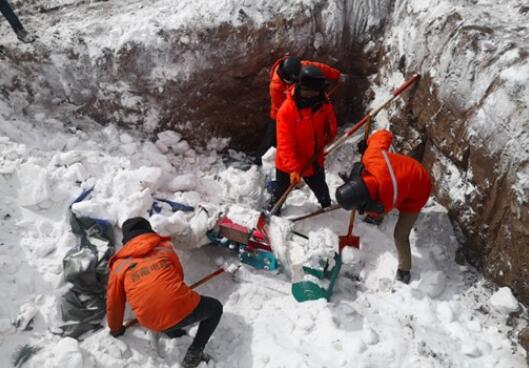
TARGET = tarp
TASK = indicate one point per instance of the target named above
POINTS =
(83, 306)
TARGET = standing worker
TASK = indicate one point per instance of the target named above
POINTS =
(305, 125)
(284, 74)
(385, 181)
(13, 20)
(147, 273)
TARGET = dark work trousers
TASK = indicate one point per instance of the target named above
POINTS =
(208, 313)
(269, 139)
(316, 183)
(10, 15)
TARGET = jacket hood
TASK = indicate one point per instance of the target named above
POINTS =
(139, 246)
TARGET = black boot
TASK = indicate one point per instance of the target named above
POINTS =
(176, 333)
(194, 357)
(403, 276)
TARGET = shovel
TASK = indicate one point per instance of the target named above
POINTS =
(351, 240)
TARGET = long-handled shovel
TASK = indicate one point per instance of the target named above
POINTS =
(351, 240)
(230, 268)
(264, 217)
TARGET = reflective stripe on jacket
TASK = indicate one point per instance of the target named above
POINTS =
(396, 180)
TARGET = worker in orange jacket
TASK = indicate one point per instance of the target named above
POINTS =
(147, 273)
(384, 181)
(305, 125)
(284, 74)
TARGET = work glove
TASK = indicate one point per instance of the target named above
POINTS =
(361, 146)
(118, 333)
(295, 177)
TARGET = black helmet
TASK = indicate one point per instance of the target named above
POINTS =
(353, 194)
(312, 77)
(135, 226)
(289, 69)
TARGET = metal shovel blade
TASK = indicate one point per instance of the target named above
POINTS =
(349, 241)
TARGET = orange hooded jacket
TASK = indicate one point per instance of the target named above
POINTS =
(278, 88)
(396, 180)
(147, 273)
(301, 134)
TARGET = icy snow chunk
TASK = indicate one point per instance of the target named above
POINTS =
(69, 158)
(33, 187)
(126, 138)
(169, 138)
(181, 147)
(27, 312)
(369, 336)
(503, 301)
(76, 172)
(470, 350)
(353, 257)
(322, 246)
(183, 183)
(444, 312)
(66, 353)
(433, 283)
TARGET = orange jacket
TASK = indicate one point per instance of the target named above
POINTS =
(412, 185)
(147, 273)
(278, 88)
(301, 134)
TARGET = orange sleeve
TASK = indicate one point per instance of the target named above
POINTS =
(277, 97)
(328, 71)
(375, 165)
(286, 140)
(115, 301)
(380, 140)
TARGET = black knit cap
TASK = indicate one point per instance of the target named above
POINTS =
(135, 226)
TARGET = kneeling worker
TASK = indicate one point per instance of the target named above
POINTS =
(147, 273)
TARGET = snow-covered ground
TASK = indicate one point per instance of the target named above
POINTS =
(446, 317)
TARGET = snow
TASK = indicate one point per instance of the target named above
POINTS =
(503, 301)
(263, 326)
(441, 319)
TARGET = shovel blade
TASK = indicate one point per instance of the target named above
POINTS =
(349, 241)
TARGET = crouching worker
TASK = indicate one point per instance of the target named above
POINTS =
(305, 125)
(147, 273)
(385, 181)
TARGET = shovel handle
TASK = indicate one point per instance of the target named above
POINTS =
(207, 278)
(282, 199)
(351, 223)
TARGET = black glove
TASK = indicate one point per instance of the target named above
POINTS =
(361, 146)
(119, 332)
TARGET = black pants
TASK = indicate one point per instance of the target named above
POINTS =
(10, 15)
(316, 183)
(269, 139)
(208, 313)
